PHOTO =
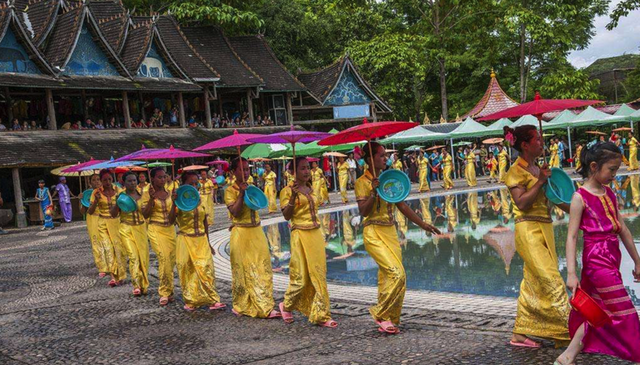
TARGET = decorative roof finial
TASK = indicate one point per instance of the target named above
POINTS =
(458, 119)
(442, 121)
(493, 74)
(426, 119)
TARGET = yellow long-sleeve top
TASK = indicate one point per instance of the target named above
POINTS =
(382, 213)
(160, 212)
(397, 165)
(248, 217)
(171, 186)
(343, 168)
(519, 176)
(316, 175)
(270, 179)
(134, 218)
(447, 162)
(471, 157)
(142, 188)
(206, 187)
(104, 204)
(423, 163)
(305, 213)
(192, 223)
(503, 156)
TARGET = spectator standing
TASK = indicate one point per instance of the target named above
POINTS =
(2, 126)
(100, 124)
(62, 190)
(352, 170)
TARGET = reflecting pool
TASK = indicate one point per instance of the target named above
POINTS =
(475, 254)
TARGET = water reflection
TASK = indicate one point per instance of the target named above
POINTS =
(474, 254)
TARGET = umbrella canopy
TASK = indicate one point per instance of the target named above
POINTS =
(111, 164)
(468, 128)
(259, 159)
(264, 151)
(623, 129)
(157, 164)
(232, 141)
(366, 131)
(435, 147)
(78, 166)
(222, 163)
(195, 167)
(60, 171)
(597, 133)
(462, 144)
(142, 151)
(493, 140)
(529, 120)
(123, 169)
(292, 136)
(171, 153)
(414, 135)
(498, 127)
(539, 106)
(334, 154)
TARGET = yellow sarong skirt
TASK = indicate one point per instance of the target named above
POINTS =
(424, 183)
(554, 161)
(446, 175)
(470, 174)
(270, 192)
(317, 190)
(196, 272)
(493, 173)
(137, 243)
(325, 193)
(163, 242)
(114, 249)
(381, 242)
(252, 280)
(96, 245)
(543, 304)
(502, 166)
(633, 158)
(207, 201)
(344, 178)
(307, 291)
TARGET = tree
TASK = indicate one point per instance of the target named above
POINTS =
(621, 10)
(234, 16)
(569, 83)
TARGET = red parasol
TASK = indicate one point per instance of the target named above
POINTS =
(235, 140)
(366, 131)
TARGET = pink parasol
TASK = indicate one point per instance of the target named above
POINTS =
(222, 163)
(366, 131)
(142, 152)
(235, 140)
(292, 136)
(80, 166)
(170, 153)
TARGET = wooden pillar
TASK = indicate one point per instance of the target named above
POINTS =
(220, 111)
(289, 110)
(207, 108)
(373, 112)
(21, 217)
(125, 110)
(85, 111)
(183, 122)
(250, 106)
(51, 110)
(7, 99)
(143, 113)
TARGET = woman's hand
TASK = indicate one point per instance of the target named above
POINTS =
(152, 192)
(174, 195)
(375, 183)
(430, 228)
(544, 173)
(636, 273)
(573, 283)
(295, 190)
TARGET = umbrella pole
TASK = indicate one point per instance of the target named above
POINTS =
(372, 164)
(293, 149)
(241, 164)
(570, 150)
(80, 178)
(544, 152)
(453, 159)
(333, 166)
(173, 169)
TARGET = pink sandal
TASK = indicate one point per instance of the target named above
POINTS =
(329, 324)
(188, 308)
(136, 292)
(387, 327)
(529, 343)
(102, 275)
(112, 283)
(217, 306)
(287, 317)
(236, 313)
(274, 314)
(164, 301)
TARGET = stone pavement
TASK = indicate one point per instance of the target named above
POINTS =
(54, 309)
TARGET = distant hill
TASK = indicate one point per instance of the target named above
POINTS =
(601, 65)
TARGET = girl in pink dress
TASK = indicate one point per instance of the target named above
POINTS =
(594, 210)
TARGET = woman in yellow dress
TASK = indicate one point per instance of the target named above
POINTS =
(133, 234)
(492, 166)
(381, 240)
(269, 178)
(171, 184)
(633, 152)
(343, 178)
(318, 181)
(307, 291)
(288, 178)
(143, 185)
(576, 157)
(423, 170)
(554, 160)
(543, 304)
(194, 256)
(447, 170)
(92, 227)
(397, 164)
(252, 276)
(503, 162)
(206, 195)
(102, 200)
(470, 168)
(156, 204)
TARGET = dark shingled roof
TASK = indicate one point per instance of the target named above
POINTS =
(63, 37)
(39, 17)
(27, 80)
(137, 46)
(257, 54)
(183, 52)
(321, 83)
(113, 20)
(24, 149)
(212, 44)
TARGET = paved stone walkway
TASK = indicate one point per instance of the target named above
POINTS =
(55, 310)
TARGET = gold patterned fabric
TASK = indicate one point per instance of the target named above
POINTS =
(382, 213)
(289, 177)
(96, 245)
(270, 190)
(248, 217)
(543, 304)
(319, 185)
(343, 176)
(206, 198)
(398, 164)
(423, 167)
(493, 168)
(133, 233)
(252, 280)
(503, 159)
(577, 160)
(447, 170)
(108, 233)
(633, 154)
(171, 186)
(554, 159)
(425, 209)
(634, 181)
(472, 204)
(470, 169)
(305, 212)
(348, 236)
(381, 242)
(162, 237)
(194, 259)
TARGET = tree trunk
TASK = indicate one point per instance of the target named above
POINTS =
(523, 86)
(441, 60)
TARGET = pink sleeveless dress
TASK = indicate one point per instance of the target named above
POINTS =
(602, 280)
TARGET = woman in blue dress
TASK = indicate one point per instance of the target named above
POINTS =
(44, 196)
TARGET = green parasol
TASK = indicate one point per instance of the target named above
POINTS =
(157, 164)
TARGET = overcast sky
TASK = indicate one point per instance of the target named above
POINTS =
(625, 38)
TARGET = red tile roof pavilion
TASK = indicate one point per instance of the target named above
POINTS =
(493, 101)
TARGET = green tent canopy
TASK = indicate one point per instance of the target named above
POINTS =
(497, 128)
(562, 120)
(414, 135)
(260, 150)
(468, 128)
(592, 116)
(626, 111)
(528, 120)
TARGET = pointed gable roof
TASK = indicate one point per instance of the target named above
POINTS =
(181, 50)
(258, 55)
(38, 17)
(493, 101)
(323, 82)
(66, 32)
(213, 45)
(113, 20)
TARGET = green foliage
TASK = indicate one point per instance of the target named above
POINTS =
(569, 83)
(632, 84)
(621, 10)
(611, 63)
(232, 15)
